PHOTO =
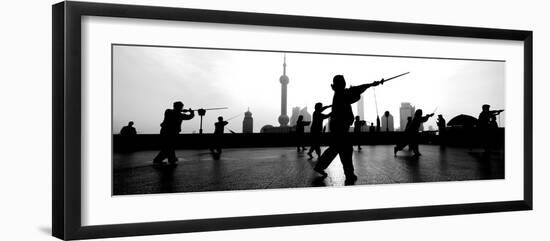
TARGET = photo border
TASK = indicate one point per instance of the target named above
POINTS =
(66, 119)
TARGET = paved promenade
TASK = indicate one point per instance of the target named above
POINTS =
(265, 168)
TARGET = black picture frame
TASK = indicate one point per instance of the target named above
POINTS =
(66, 78)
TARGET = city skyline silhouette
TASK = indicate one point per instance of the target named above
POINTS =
(146, 80)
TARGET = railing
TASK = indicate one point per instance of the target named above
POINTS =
(467, 138)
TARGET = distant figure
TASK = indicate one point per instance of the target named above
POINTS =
(300, 125)
(484, 125)
(129, 130)
(170, 128)
(387, 122)
(127, 137)
(340, 121)
(372, 128)
(485, 116)
(406, 137)
(218, 132)
(358, 124)
(315, 130)
(441, 124)
(412, 133)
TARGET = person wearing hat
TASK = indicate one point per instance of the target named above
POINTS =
(340, 121)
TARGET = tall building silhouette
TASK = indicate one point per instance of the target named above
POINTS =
(283, 118)
(387, 122)
(248, 122)
(406, 110)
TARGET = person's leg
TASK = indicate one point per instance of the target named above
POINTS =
(398, 147)
(161, 156)
(163, 151)
(311, 149)
(318, 150)
(171, 151)
(414, 148)
(346, 157)
(325, 159)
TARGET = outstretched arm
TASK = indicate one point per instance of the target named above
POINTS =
(325, 107)
(361, 88)
(189, 116)
(426, 117)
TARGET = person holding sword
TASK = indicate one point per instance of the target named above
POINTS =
(170, 128)
(341, 119)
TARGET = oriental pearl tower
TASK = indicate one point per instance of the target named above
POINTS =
(283, 118)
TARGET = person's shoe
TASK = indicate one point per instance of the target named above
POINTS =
(322, 172)
(395, 151)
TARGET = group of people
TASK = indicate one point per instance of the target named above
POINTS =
(341, 119)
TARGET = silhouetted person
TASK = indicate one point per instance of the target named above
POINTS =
(317, 128)
(412, 133)
(357, 125)
(408, 125)
(129, 130)
(300, 126)
(219, 128)
(441, 124)
(127, 137)
(484, 124)
(485, 116)
(170, 128)
(340, 121)
(372, 128)
(406, 137)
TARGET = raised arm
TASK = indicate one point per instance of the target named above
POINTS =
(357, 90)
(426, 117)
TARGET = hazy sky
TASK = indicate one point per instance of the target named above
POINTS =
(147, 80)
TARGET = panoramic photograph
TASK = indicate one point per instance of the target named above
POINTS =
(192, 119)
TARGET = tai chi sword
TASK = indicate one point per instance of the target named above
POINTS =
(385, 80)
